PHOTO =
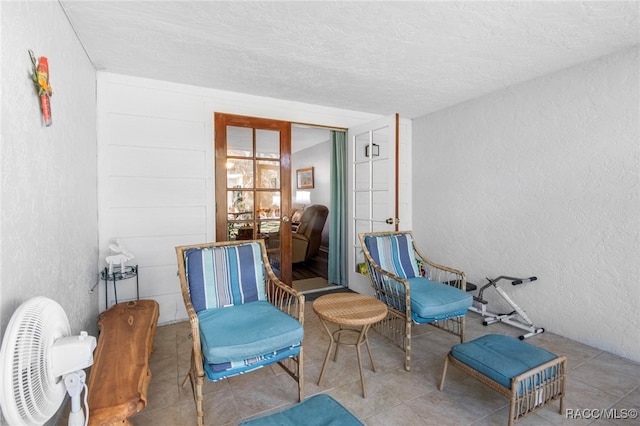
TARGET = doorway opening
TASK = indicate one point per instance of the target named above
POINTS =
(311, 193)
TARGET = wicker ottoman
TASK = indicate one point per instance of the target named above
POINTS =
(529, 376)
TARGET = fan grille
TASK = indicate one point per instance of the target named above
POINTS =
(34, 394)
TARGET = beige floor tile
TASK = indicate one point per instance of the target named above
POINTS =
(611, 373)
(632, 399)
(220, 408)
(163, 365)
(584, 395)
(473, 395)
(262, 394)
(500, 418)
(576, 353)
(440, 409)
(162, 393)
(379, 398)
(169, 415)
(406, 385)
(595, 379)
(398, 415)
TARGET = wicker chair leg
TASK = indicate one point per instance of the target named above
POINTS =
(444, 373)
(199, 399)
(300, 378)
(407, 351)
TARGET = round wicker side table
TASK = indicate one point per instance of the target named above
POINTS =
(354, 314)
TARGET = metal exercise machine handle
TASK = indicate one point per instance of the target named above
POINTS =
(523, 281)
(514, 280)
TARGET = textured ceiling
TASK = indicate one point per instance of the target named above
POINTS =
(378, 57)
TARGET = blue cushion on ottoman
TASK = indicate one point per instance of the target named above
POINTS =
(500, 357)
(319, 410)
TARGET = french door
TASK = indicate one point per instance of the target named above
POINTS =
(373, 187)
(253, 185)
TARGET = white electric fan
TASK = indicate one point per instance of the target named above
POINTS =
(41, 362)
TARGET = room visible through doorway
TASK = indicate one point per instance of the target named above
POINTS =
(310, 150)
(311, 276)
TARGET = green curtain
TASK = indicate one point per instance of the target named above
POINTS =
(338, 216)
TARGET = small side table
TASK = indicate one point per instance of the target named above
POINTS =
(118, 275)
(349, 310)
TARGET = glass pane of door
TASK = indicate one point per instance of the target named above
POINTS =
(239, 141)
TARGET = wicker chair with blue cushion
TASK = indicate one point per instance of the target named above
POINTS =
(242, 316)
(414, 289)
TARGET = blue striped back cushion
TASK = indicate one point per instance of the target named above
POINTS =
(226, 275)
(393, 253)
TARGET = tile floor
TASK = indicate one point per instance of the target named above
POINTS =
(596, 380)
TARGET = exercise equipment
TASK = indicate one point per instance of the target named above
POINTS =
(517, 317)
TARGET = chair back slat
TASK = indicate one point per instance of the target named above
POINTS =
(393, 253)
(225, 275)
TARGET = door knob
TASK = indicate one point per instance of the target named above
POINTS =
(285, 219)
(392, 221)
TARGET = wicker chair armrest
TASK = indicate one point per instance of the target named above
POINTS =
(195, 329)
(388, 275)
(394, 291)
(444, 274)
(284, 297)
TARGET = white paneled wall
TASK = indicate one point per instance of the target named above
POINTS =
(155, 172)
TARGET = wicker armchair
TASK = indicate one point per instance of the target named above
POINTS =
(242, 316)
(415, 289)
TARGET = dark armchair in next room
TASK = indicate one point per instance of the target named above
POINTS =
(306, 240)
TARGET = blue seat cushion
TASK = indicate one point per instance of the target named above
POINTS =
(319, 410)
(241, 332)
(216, 372)
(434, 301)
(500, 357)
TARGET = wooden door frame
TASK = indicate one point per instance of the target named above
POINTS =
(221, 121)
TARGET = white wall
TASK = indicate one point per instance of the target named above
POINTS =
(48, 193)
(543, 179)
(155, 178)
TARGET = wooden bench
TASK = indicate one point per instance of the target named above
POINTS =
(120, 374)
